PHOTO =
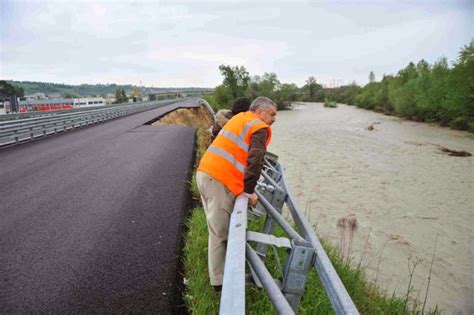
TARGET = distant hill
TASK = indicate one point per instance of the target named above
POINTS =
(91, 89)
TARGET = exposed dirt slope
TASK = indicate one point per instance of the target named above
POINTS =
(193, 117)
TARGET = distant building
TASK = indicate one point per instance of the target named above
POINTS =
(53, 95)
(110, 99)
(30, 105)
(89, 102)
(35, 96)
(163, 96)
(3, 107)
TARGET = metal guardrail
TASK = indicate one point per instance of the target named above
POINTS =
(32, 114)
(304, 250)
(18, 130)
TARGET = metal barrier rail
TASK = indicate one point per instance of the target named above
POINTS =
(14, 116)
(33, 114)
(304, 250)
(15, 131)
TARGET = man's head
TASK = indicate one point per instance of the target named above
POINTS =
(241, 104)
(265, 109)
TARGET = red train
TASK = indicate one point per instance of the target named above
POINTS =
(59, 104)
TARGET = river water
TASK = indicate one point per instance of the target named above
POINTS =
(402, 189)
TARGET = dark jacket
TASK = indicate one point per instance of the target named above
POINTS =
(257, 150)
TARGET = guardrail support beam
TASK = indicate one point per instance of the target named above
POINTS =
(276, 296)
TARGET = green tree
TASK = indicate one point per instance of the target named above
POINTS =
(424, 106)
(383, 100)
(427, 93)
(265, 85)
(313, 92)
(402, 91)
(460, 96)
(466, 54)
(223, 96)
(120, 96)
(368, 97)
(285, 95)
(124, 96)
(70, 95)
(7, 90)
(236, 78)
(438, 91)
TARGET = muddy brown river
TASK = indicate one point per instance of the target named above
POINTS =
(402, 189)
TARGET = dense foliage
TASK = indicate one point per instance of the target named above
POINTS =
(7, 90)
(237, 82)
(120, 96)
(421, 92)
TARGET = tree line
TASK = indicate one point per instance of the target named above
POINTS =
(237, 82)
(7, 90)
(437, 92)
(74, 91)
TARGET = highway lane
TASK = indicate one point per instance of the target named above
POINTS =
(92, 220)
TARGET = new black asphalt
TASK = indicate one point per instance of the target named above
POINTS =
(92, 220)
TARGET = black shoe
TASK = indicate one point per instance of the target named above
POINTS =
(217, 288)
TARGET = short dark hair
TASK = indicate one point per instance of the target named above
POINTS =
(241, 104)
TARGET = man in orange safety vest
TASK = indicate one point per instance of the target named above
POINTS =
(231, 166)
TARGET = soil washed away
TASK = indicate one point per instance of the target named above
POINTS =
(397, 188)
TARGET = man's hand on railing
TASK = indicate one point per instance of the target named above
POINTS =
(252, 199)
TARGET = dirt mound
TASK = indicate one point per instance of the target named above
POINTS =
(197, 117)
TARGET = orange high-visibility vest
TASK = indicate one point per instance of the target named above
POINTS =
(226, 158)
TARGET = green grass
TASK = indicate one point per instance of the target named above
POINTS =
(201, 298)
(213, 102)
(330, 103)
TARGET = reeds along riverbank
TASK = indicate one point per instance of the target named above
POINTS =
(200, 298)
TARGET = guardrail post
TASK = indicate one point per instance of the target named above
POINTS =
(295, 273)
(278, 300)
(277, 199)
(233, 287)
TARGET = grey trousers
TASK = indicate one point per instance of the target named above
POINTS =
(218, 203)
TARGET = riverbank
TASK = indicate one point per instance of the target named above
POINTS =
(400, 186)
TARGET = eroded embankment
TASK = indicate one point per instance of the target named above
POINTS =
(197, 117)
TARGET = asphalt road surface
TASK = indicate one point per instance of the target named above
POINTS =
(92, 220)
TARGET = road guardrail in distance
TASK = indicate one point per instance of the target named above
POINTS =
(19, 128)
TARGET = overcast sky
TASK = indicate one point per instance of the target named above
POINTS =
(182, 43)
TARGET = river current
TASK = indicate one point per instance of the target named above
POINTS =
(402, 189)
